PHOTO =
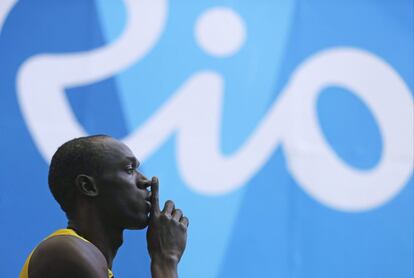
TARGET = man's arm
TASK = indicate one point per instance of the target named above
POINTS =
(166, 236)
(67, 257)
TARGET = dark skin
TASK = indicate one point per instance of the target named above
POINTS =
(108, 203)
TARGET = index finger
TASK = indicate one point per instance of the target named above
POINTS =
(155, 203)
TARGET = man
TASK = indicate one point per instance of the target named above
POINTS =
(96, 182)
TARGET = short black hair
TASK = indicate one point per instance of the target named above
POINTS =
(77, 156)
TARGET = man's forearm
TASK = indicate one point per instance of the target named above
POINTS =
(163, 269)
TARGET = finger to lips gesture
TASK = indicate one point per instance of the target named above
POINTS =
(169, 208)
(167, 230)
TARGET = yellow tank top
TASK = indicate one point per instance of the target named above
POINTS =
(62, 232)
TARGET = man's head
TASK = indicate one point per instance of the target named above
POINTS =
(99, 172)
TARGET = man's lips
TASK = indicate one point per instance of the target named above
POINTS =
(149, 205)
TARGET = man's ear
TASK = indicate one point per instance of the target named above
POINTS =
(86, 185)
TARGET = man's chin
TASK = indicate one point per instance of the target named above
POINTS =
(139, 224)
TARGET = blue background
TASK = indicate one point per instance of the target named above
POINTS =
(269, 227)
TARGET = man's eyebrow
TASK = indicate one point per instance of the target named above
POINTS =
(133, 160)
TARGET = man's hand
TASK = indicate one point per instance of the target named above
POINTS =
(166, 235)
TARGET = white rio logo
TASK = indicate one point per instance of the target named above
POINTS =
(291, 121)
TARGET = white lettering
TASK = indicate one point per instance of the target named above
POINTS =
(194, 113)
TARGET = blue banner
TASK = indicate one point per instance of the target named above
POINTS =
(283, 129)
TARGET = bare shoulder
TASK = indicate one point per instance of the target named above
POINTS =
(67, 256)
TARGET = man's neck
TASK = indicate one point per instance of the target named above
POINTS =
(105, 238)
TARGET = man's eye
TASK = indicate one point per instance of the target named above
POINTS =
(130, 170)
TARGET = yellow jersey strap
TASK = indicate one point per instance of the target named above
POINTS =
(66, 232)
(62, 232)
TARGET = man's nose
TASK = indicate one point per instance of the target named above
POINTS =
(142, 181)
